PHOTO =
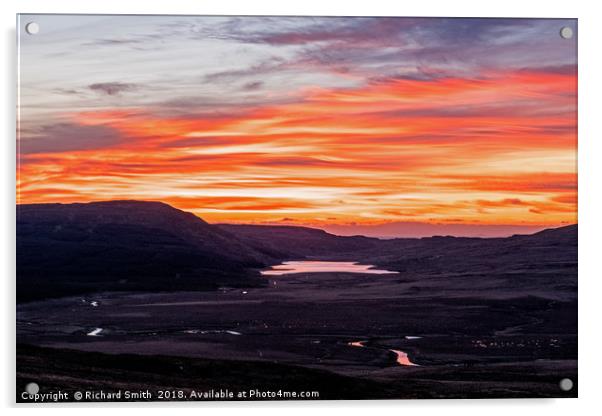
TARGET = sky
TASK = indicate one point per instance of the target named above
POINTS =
(336, 123)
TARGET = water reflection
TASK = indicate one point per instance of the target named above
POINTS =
(95, 332)
(402, 357)
(290, 267)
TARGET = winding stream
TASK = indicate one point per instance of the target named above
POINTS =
(402, 357)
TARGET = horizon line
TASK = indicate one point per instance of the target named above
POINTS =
(371, 230)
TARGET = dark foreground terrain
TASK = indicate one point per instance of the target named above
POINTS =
(462, 317)
(298, 334)
(176, 378)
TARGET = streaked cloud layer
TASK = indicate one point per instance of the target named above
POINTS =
(304, 120)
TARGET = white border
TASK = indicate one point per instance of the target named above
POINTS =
(590, 209)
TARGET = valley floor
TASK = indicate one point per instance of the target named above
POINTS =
(297, 334)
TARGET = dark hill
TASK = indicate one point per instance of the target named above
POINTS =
(124, 245)
(290, 242)
(541, 264)
(551, 246)
(66, 249)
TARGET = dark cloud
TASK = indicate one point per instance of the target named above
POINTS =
(110, 42)
(64, 137)
(381, 49)
(252, 86)
(67, 91)
(570, 69)
(307, 30)
(274, 64)
(218, 107)
(426, 48)
(414, 74)
(520, 107)
(112, 88)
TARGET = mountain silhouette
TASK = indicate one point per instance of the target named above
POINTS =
(68, 249)
(125, 245)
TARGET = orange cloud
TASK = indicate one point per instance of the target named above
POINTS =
(498, 149)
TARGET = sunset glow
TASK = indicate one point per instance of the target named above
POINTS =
(304, 121)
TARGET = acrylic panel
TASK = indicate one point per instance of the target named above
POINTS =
(287, 207)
